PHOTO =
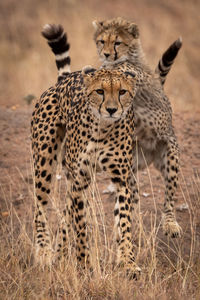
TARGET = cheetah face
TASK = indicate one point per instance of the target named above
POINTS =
(110, 93)
(114, 39)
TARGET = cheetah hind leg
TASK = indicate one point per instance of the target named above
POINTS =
(43, 247)
(125, 254)
(168, 164)
(46, 162)
(169, 223)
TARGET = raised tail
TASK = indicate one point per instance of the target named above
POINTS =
(57, 40)
(167, 60)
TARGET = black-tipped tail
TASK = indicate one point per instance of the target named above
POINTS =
(57, 40)
(167, 59)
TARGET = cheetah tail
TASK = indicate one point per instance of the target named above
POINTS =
(57, 41)
(167, 60)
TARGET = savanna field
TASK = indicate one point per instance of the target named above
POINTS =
(170, 267)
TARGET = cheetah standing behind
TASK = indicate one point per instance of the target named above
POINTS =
(119, 47)
(111, 49)
(118, 40)
(155, 138)
(91, 113)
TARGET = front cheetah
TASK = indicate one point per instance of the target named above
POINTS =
(91, 113)
(154, 139)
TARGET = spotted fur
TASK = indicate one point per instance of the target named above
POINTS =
(88, 120)
(65, 121)
(156, 141)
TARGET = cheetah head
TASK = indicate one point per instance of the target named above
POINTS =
(116, 39)
(110, 92)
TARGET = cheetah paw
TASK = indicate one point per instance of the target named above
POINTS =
(132, 270)
(172, 228)
(43, 256)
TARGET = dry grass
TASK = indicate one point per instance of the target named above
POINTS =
(170, 268)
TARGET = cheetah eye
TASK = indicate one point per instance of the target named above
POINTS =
(100, 91)
(102, 42)
(117, 43)
(122, 92)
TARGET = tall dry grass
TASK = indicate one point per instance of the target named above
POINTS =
(170, 267)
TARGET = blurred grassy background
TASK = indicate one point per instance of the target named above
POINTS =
(27, 66)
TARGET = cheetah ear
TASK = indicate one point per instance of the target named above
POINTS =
(88, 69)
(131, 77)
(134, 30)
(130, 74)
(88, 73)
(97, 25)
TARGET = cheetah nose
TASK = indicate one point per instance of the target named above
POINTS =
(106, 55)
(111, 110)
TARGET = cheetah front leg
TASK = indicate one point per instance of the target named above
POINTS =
(126, 195)
(78, 217)
(168, 164)
(123, 216)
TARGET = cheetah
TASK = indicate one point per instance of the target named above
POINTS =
(154, 140)
(88, 119)
(57, 40)
(118, 40)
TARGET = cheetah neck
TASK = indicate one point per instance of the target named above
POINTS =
(102, 128)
